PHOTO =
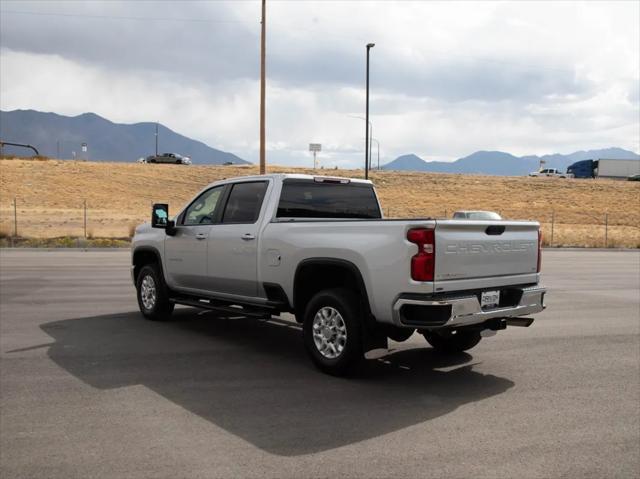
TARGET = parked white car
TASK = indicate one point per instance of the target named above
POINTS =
(550, 172)
(476, 215)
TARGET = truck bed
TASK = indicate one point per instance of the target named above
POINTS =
(469, 255)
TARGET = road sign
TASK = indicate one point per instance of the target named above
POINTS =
(84, 147)
(315, 148)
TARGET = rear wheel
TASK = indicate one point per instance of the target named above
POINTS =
(332, 331)
(454, 341)
(152, 293)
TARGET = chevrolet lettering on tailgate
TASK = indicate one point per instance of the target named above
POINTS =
(491, 248)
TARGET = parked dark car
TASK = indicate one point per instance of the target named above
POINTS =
(169, 158)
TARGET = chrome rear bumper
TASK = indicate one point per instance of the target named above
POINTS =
(463, 310)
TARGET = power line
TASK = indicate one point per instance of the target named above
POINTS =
(119, 17)
(521, 66)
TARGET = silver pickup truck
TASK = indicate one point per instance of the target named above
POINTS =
(319, 248)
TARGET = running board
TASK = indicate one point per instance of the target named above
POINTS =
(225, 308)
(522, 322)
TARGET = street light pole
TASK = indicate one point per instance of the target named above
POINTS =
(156, 138)
(370, 145)
(378, 146)
(262, 88)
(367, 142)
(367, 145)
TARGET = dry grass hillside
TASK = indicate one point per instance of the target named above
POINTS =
(50, 196)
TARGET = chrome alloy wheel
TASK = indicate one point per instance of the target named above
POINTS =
(148, 292)
(329, 332)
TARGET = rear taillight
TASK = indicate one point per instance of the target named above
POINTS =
(539, 250)
(423, 262)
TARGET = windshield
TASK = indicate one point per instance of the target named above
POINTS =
(483, 215)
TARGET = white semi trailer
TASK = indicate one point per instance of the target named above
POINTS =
(607, 168)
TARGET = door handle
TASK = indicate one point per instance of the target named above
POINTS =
(201, 236)
(248, 237)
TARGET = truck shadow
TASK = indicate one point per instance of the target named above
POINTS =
(253, 378)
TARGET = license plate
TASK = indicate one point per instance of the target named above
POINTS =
(489, 298)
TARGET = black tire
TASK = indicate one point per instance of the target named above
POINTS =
(452, 343)
(161, 307)
(346, 304)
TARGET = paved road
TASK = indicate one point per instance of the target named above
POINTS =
(89, 389)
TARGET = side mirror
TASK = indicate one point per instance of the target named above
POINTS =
(160, 219)
(160, 215)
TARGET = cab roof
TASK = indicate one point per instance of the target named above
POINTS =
(297, 176)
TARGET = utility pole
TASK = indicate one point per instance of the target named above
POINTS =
(367, 145)
(156, 138)
(262, 87)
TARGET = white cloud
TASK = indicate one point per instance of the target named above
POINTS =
(447, 78)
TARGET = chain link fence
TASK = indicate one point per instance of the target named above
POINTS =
(87, 221)
(562, 228)
(21, 220)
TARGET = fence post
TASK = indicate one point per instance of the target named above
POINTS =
(15, 216)
(606, 230)
(85, 218)
(553, 221)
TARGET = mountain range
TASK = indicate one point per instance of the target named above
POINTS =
(59, 136)
(504, 164)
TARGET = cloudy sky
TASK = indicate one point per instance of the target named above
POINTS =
(447, 78)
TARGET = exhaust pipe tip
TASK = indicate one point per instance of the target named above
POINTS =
(520, 322)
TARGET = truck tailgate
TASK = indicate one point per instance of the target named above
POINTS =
(485, 249)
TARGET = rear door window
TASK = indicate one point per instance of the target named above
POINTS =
(245, 200)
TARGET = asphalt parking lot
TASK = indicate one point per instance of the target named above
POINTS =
(90, 389)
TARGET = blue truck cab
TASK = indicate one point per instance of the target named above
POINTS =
(583, 169)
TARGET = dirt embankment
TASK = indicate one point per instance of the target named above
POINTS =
(51, 195)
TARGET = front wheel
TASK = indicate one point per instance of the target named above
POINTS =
(332, 332)
(452, 342)
(152, 293)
